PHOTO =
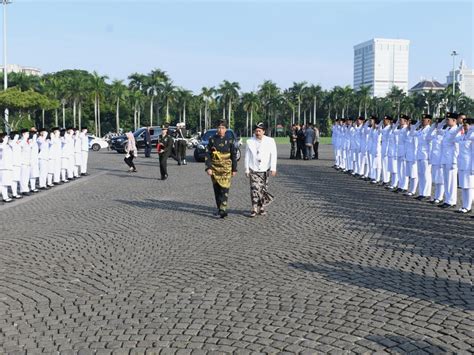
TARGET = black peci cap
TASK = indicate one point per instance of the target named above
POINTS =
(222, 123)
(388, 117)
(405, 117)
(426, 116)
(468, 121)
(452, 115)
(24, 130)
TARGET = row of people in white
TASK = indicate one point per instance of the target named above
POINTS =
(51, 158)
(409, 156)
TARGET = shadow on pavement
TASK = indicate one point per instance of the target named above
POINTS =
(433, 289)
(402, 345)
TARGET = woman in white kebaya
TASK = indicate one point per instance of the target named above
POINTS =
(6, 167)
(465, 139)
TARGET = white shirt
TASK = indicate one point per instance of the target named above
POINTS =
(260, 155)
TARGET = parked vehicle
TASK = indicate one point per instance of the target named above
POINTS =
(200, 151)
(118, 143)
(96, 143)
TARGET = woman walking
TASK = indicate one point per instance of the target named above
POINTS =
(130, 152)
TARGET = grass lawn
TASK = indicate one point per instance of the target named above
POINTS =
(286, 140)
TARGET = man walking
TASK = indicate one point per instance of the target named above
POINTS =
(260, 161)
(221, 165)
(147, 141)
(165, 144)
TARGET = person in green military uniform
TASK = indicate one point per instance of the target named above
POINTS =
(165, 143)
(221, 165)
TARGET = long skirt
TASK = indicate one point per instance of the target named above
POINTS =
(259, 189)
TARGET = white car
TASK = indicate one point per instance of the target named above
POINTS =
(96, 143)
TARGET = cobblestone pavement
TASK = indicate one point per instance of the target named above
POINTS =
(127, 264)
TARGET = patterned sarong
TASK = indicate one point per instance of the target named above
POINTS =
(259, 189)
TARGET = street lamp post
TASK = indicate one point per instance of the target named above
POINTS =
(5, 75)
(454, 54)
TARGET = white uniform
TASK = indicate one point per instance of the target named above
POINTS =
(392, 157)
(44, 157)
(437, 174)
(25, 164)
(34, 163)
(449, 161)
(6, 168)
(16, 157)
(55, 158)
(465, 167)
(77, 154)
(363, 142)
(85, 152)
(375, 153)
(386, 132)
(422, 160)
(401, 162)
(411, 143)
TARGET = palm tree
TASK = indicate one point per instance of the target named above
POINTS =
(298, 89)
(396, 96)
(119, 93)
(267, 93)
(207, 95)
(251, 103)
(169, 95)
(98, 86)
(183, 97)
(229, 93)
(363, 96)
(154, 84)
(314, 92)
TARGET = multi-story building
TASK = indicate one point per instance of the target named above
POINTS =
(381, 64)
(15, 68)
(464, 78)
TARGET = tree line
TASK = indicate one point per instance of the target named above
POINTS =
(80, 98)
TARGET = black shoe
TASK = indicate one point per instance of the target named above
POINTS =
(85, 174)
(446, 205)
(8, 200)
(222, 214)
(26, 194)
(35, 191)
(18, 197)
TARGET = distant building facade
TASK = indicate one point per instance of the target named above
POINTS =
(427, 86)
(464, 77)
(381, 64)
(15, 68)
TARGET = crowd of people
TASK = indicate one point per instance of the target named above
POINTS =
(411, 157)
(304, 140)
(34, 160)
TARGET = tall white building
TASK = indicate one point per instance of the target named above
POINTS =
(464, 78)
(381, 64)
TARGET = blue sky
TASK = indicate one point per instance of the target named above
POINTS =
(202, 43)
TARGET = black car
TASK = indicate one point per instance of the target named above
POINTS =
(200, 151)
(118, 143)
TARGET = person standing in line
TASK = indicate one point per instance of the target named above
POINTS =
(449, 160)
(309, 138)
(386, 132)
(25, 145)
(221, 166)
(84, 150)
(130, 152)
(260, 162)
(411, 145)
(164, 146)
(465, 139)
(55, 155)
(147, 142)
(6, 167)
(16, 157)
(437, 174)
(43, 158)
(422, 156)
(316, 144)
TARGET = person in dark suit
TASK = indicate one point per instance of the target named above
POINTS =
(147, 141)
(164, 146)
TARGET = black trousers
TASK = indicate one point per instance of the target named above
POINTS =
(164, 165)
(300, 150)
(293, 150)
(129, 161)
(222, 195)
(147, 150)
(316, 148)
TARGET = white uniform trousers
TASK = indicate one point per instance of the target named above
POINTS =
(424, 178)
(85, 159)
(24, 179)
(466, 182)
(402, 174)
(450, 184)
(33, 184)
(437, 177)
(385, 172)
(363, 168)
(43, 172)
(56, 166)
